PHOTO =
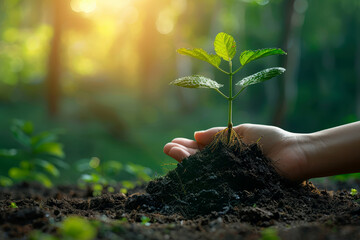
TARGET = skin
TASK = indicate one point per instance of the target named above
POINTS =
(295, 156)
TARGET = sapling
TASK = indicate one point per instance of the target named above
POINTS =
(225, 48)
(39, 155)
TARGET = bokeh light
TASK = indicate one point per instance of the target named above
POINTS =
(85, 6)
(165, 21)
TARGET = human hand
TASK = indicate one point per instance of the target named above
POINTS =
(285, 149)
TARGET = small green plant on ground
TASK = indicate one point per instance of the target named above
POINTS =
(77, 228)
(38, 158)
(269, 234)
(353, 192)
(145, 221)
(13, 205)
(225, 48)
(99, 174)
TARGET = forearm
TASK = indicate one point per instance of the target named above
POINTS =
(333, 151)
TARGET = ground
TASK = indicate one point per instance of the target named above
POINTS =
(220, 193)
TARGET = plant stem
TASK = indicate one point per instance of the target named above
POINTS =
(238, 70)
(238, 93)
(230, 99)
(223, 71)
(221, 93)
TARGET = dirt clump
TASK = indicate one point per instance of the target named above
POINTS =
(238, 181)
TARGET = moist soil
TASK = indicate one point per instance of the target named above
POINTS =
(219, 193)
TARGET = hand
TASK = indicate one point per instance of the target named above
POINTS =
(282, 147)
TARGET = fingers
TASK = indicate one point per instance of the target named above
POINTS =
(178, 151)
(181, 148)
(171, 145)
(178, 154)
(186, 142)
(203, 138)
(248, 132)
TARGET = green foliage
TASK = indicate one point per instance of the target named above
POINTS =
(13, 205)
(225, 47)
(251, 55)
(269, 234)
(77, 228)
(345, 177)
(5, 181)
(145, 221)
(201, 54)
(196, 81)
(38, 235)
(37, 157)
(260, 76)
(353, 192)
(101, 175)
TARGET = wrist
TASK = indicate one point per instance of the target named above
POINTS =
(313, 146)
(304, 147)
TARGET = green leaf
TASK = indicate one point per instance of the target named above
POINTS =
(25, 126)
(251, 55)
(141, 172)
(51, 148)
(5, 181)
(93, 178)
(18, 173)
(225, 46)
(196, 81)
(75, 227)
(42, 178)
(20, 135)
(48, 167)
(43, 137)
(202, 55)
(59, 163)
(145, 221)
(13, 205)
(127, 184)
(26, 165)
(8, 153)
(28, 127)
(112, 167)
(353, 192)
(261, 76)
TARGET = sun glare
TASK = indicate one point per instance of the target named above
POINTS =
(85, 6)
(165, 22)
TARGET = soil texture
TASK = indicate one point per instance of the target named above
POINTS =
(219, 193)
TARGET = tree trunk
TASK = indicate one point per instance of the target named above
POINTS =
(288, 6)
(287, 86)
(54, 61)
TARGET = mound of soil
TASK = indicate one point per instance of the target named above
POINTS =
(239, 181)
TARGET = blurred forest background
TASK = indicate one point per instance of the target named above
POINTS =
(99, 70)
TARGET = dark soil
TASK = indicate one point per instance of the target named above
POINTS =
(223, 193)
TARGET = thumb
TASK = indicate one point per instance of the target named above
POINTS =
(205, 137)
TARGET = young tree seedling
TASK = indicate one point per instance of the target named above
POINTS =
(225, 48)
(38, 156)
